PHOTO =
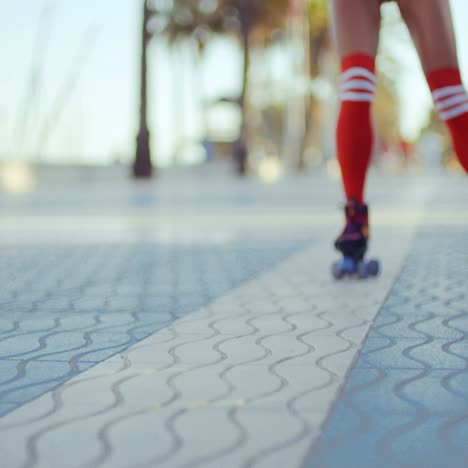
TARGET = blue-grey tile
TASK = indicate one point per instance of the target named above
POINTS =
(6, 408)
(8, 371)
(36, 379)
(355, 442)
(408, 353)
(417, 325)
(20, 345)
(383, 391)
(422, 444)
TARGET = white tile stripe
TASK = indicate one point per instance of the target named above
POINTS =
(357, 97)
(447, 91)
(455, 112)
(358, 84)
(451, 101)
(358, 72)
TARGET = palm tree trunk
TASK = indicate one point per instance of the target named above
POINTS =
(309, 100)
(199, 88)
(142, 167)
(240, 147)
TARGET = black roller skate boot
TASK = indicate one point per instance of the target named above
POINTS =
(352, 243)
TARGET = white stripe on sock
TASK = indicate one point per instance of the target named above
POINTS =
(455, 112)
(447, 91)
(358, 97)
(357, 84)
(451, 101)
(358, 72)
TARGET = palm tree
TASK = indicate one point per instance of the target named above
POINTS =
(253, 16)
(182, 20)
(143, 167)
(318, 44)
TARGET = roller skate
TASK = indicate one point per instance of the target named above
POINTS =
(352, 243)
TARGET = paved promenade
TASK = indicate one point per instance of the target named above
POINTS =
(193, 322)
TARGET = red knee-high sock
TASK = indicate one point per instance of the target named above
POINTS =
(354, 134)
(451, 101)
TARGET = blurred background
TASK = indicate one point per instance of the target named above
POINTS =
(153, 84)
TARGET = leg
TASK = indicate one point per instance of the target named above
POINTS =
(432, 31)
(355, 27)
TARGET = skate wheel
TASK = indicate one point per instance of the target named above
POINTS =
(337, 271)
(348, 265)
(373, 267)
(363, 270)
(345, 267)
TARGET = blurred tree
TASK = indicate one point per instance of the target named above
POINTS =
(319, 43)
(258, 21)
(386, 107)
(437, 126)
(200, 20)
(319, 33)
(142, 167)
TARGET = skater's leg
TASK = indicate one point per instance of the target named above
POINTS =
(432, 31)
(355, 28)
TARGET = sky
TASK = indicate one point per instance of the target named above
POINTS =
(99, 103)
(96, 122)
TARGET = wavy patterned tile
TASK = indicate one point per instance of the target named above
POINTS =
(254, 372)
(405, 402)
(76, 306)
